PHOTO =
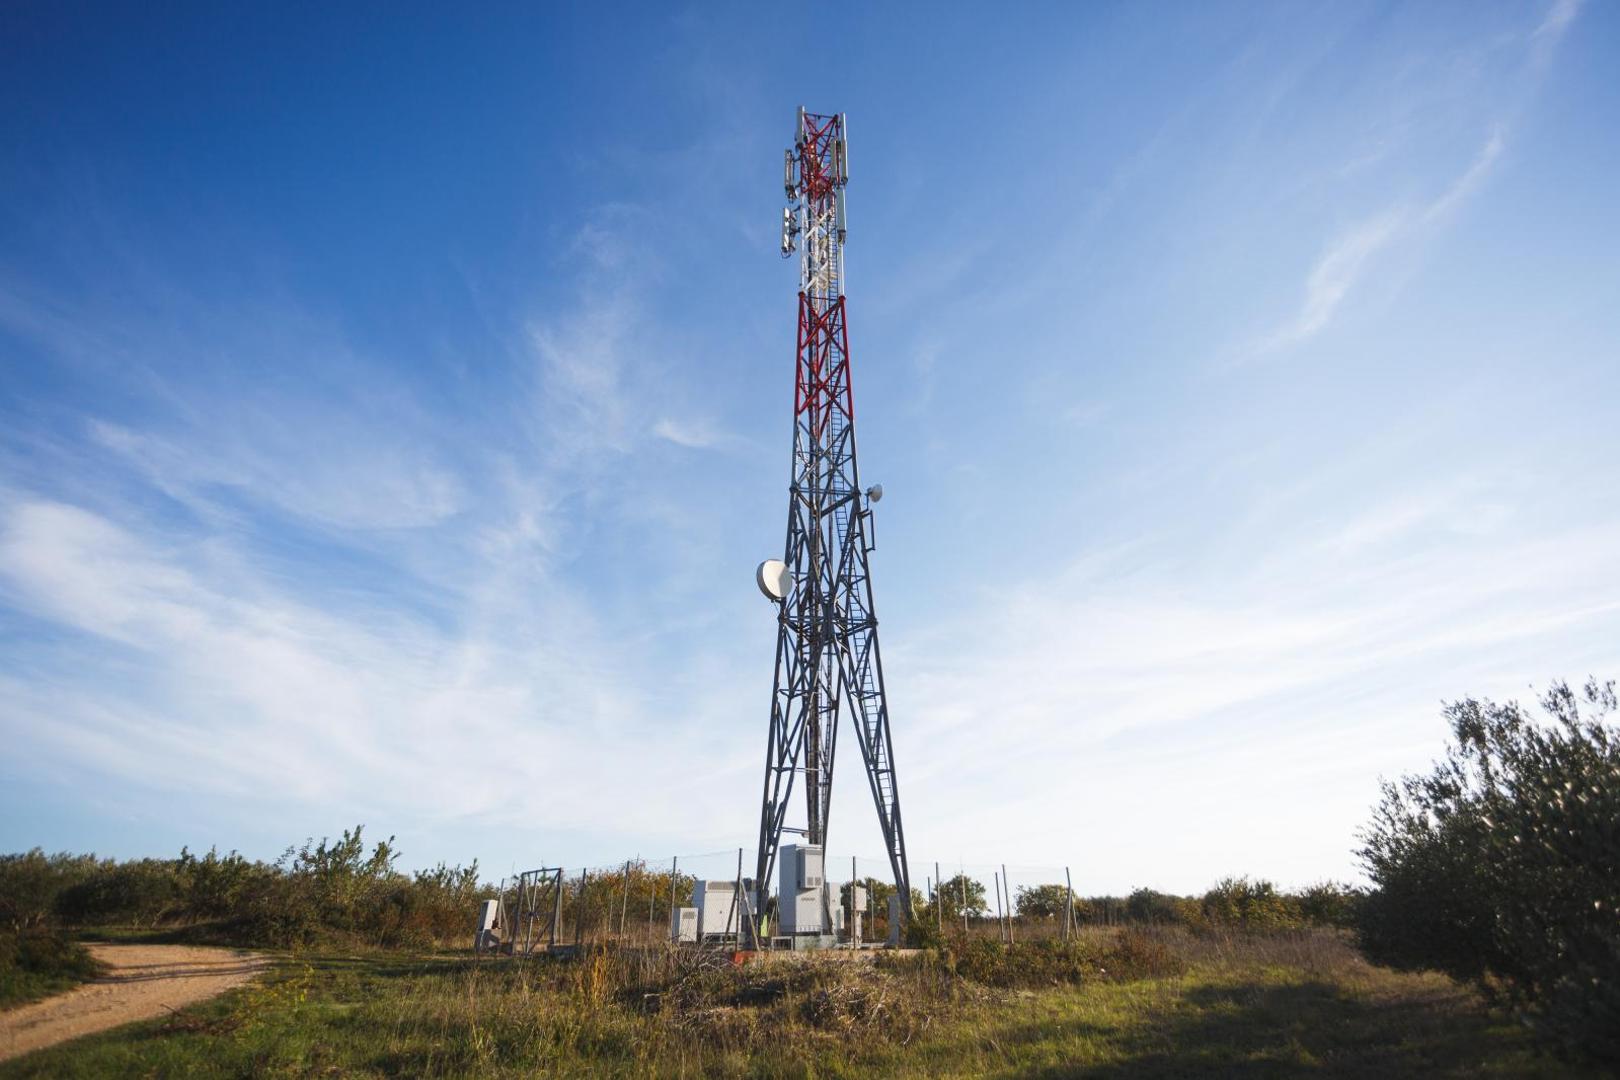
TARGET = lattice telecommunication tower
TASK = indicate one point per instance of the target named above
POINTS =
(827, 659)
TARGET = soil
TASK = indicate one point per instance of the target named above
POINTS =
(141, 982)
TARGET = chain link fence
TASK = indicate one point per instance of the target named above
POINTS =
(634, 901)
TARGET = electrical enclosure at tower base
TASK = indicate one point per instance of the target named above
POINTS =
(719, 908)
(801, 895)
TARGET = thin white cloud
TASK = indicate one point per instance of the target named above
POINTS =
(1350, 256)
(582, 402)
(1560, 15)
(1043, 681)
(1468, 182)
(1337, 272)
(360, 477)
(692, 434)
(188, 660)
(242, 689)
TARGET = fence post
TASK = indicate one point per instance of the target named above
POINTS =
(624, 898)
(962, 881)
(556, 911)
(736, 901)
(579, 916)
(850, 928)
(1006, 888)
(674, 868)
(939, 900)
(1068, 904)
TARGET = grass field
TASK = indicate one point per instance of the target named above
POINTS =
(1248, 1006)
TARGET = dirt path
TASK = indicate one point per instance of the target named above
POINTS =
(142, 981)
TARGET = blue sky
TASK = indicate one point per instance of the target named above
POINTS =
(392, 413)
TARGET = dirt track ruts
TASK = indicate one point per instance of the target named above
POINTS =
(142, 981)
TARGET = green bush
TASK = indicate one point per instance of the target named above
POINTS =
(1042, 901)
(39, 962)
(1249, 905)
(923, 931)
(1329, 903)
(335, 890)
(1107, 910)
(32, 883)
(331, 890)
(214, 886)
(142, 892)
(1503, 865)
(1148, 906)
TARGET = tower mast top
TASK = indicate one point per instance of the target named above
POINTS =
(814, 174)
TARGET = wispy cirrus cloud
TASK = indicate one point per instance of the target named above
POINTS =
(1560, 15)
(692, 434)
(1354, 252)
(1150, 689)
(234, 685)
(292, 583)
(1336, 272)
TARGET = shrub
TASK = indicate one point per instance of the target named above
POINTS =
(923, 931)
(1329, 903)
(1042, 901)
(1100, 909)
(1148, 906)
(143, 892)
(1249, 905)
(214, 887)
(331, 890)
(40, 961)
(1503, 865)
(31, 884)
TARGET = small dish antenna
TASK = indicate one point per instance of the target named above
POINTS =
(775, 580)
(875, 492)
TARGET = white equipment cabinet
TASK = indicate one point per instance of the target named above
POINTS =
(719, 911)
(488, 936)
(801, 891)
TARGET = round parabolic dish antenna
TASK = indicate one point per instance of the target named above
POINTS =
(775, 579)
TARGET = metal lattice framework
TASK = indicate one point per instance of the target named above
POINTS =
(537, 910)
(827, 658)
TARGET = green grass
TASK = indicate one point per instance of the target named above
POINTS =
(1280, 1006)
